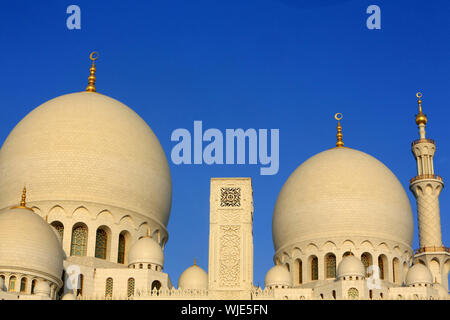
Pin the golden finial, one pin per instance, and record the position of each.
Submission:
(23, 204)
(148, 233)
(91, 86)
(195, 261)
(24, 197)
(339, 142)
(420, 117)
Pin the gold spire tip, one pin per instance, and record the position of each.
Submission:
(23, 202)
(339, 142)
(91, 86)
(420, 117)
(195, 261)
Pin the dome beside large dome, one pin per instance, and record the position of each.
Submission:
(342, 193)
(87, 147)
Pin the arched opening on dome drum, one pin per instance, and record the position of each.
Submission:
(79, 240)
(12, 284)
(382, 265)
(130, 287)
(33, 285)
(156, 285)
(287, 267)
(330, 265)
(109, 288)
(80, 285)
(59, 227)
(102, 243)
(314, 268)
(23, 285)
(124, 240)
(396, 271)
(298, 271)
(366, 259)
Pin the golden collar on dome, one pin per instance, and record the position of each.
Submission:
(339, 142)
(91, 86)
(22, 204)
(420, 117)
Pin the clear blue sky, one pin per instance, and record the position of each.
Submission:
(287, 64)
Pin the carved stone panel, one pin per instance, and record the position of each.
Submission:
(229, 253)
(230, 197)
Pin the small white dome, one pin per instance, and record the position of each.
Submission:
(418, 274)
(193, 277)
(27, 242)
(42, 288)
(146, 250)
(69, 296)
(278, 275)
(350, 266)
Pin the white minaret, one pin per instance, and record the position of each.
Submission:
(426, 187)
(230, 271)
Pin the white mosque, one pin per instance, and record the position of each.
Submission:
(91, 223)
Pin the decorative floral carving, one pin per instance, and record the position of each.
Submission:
(230, 197)
(229, 262)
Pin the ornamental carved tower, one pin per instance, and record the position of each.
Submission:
(426, 187)
(230, 268)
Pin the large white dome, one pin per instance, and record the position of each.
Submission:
(342, 192)
(91, 148)
(29, 245)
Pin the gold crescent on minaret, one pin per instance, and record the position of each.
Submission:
(338, 116)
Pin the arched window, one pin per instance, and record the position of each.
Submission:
(330, 263)
(80, 285)
(333, 293)
(109, 288)
(381, 266)
(23, 285)
(299, 266)
(396, 270)
(287, 266)
(101, 243)
(33, 285)
(130, 288)
(79, 240)
(353, 293)
(121, 254)
(156, 285)
(314, 265)
(59, 227)
(366, 259)
(12, 284)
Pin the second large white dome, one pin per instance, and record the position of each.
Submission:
(342, 192)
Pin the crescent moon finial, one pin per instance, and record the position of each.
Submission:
(93, 56)
(339, 143)
(91, 85)
(419, 95)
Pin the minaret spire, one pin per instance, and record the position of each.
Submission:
(339, 142)
(91, 86)
(426, 187)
